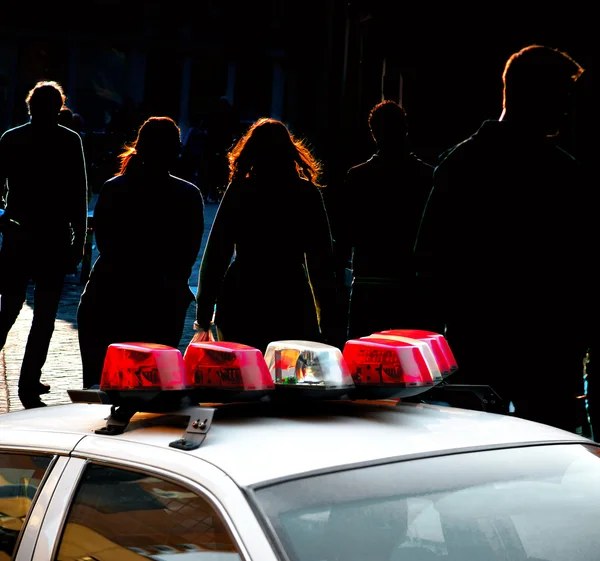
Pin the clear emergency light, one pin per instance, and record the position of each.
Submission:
(307, 368)
(385, 368)
(438, 343)
(226, 371)
(142, 366)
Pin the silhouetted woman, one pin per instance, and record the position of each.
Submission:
(148, 226)
(268, 263)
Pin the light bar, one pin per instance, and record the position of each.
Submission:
(220, 369)
(142, 366)
(428, 355)
(308, 367)
(437, 342)
(388, 368)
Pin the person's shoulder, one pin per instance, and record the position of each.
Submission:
(564, 166)
(455, 152)
(15, 132)
(483, 139)
(457, 157)
(113, 183)
(68, 134)
(566, 157)
(186, 189)
(309, 186)
(363, 167)
(420, 164)
(184, 184)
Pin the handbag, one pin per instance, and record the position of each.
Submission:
(214, 334)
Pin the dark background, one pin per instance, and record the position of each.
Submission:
(330, 54)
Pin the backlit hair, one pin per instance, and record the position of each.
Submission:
(268, 143)
(387, 118)
(50, 92)
(158, 142)
(536, 71)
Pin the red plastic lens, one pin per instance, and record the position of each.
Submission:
(142, 366)
(438, 343)
(226, 366)
(386, 362)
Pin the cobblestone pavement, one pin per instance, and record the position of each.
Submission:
(63, 367)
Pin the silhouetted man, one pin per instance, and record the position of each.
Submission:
(505, 241)
(42, 173)
(381, 207)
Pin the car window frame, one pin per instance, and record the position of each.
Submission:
(251, 490)
(195, 474)
(31, 525)
(180, 481)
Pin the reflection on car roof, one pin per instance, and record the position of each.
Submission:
(253, 443)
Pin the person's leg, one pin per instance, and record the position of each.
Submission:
(47, 294)
(12, 296)
(93, 341)
(14, 277)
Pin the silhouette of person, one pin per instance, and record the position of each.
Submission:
(268, 263)
(193, 151)
(583, 149)
(503, 244)
(65, 118)
(149, 226)
(74, 121)
(381, 208)
(42, 170)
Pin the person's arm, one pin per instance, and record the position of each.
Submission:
(429, 259)
(347, 224)
(105, 233)
(193, 240)
(3, 171)
(320, 263)
(216, 259)
(78, 218)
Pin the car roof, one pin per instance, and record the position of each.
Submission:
(255, 444)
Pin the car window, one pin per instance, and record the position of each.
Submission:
(122, 515)
(20, 479)
(538, 503)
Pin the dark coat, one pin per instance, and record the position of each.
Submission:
(148, 229)
(382, 204)
(380, 212)
(45, 174)
(268, 263)
(505, 238)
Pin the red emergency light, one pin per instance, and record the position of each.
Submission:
(226, 371)
(437, 342)
(385, 368)
(142, 366)
(426, 351)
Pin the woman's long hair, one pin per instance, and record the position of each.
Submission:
(268, 145)
(158, 144)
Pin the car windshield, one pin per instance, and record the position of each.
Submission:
(536, 503)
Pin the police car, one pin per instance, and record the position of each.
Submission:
(305, 453)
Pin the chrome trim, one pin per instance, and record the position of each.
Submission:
(35, 517)
(57, 510)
